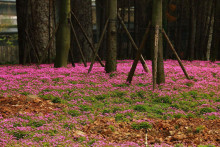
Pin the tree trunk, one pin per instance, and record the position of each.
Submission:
(192, 35)
(63, 35)
(83, 11)
(216, 33)
(35, 26)
(101, 16)
(111, 62)
(142, 16)
(22, 19)
(158, 42)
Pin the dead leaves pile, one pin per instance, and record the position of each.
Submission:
(191, 131)
(14, 105)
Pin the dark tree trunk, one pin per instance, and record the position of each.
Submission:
(216, 33)
(192, 35)
(35, 26)
(142, 16)
(83, 11)
(101, 17)
(22, 19)
(157, 43)
(111, 61)
(63, 35)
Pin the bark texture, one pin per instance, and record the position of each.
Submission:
(216, 33)
(35, 27)
(83, 11)
(111, 62)
(63, 35)
(157, 43)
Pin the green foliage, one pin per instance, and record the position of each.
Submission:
(91, 142)
(119, 117)
(138, 94)
(68, 126)
(73, 82)
(112, 75)
(36, 124)
(142, 125)
(165, 99)
(199, 129)
(67, 97)
(85, 108)
(74, 113)
(214, 74)
(193, 94)
(179, 115)
(10, 40)
(56, 79)
(17, 125)
(179, 145)
(112, 128)
(207, 110)
(119, 94)
(127, 100)
(56, 100)
(115, 109)
(81, 139)
(51, 132)
(101, 97)
(140, 108)
(19, 134)
(106, 111)
(212, 117)
(25, 93)
(120, 85)
(175, 105)
(190, 115)
(189, 84)
(143, 85)
(37, 139)
(48, 97)
(46, 144)
(206, 145)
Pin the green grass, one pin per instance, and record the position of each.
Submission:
(142, 125)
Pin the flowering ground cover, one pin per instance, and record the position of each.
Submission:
(100, 109)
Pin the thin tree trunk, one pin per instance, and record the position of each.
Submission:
(111, 62)
(216, 33)
(22, 16)
(157, 22)
(156, 41)
(209, 41)
(192, 35)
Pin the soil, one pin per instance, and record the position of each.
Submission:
(188, 131)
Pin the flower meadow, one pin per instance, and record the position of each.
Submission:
(99, 94)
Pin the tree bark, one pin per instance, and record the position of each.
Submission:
(142, 18)
(192, 35)
(83, 11)
(22, 19)
(158, 42)
(35, 26)
(111, 62)
(216, 33)
(63, 35)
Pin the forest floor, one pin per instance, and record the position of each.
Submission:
(68, 107)
(190, 131)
